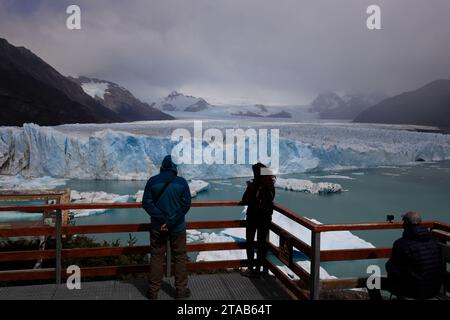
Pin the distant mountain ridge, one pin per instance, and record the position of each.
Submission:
(428, 106)
(176, 101)
(330, 105)
(119, 100)
(31, 91)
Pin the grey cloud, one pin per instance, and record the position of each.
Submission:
(267, 51)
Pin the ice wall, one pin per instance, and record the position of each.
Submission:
(34, 151)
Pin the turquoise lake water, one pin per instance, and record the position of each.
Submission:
(370, 195)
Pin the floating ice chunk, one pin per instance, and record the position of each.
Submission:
(329, 240)
(21, 183)
(138, 196)
(241, 254)
(306, 265)
(197, 186)
(307, 186)
(94, 197)
(225, 183)
(333, 177)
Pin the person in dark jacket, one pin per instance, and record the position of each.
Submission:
(258, 197)
(167, 199)
(415, 269)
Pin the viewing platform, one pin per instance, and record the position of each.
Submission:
(220, 286)
(219, 279)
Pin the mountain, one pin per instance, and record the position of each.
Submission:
(119, 100)
(330, 105)
(327, 101)
(176, 101)
(281, 114)
(428, 105)
(32, 91)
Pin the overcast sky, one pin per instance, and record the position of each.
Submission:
(261, 51)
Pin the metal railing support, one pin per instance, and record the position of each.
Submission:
(315, 265)
(58, 239)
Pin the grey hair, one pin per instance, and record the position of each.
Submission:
(412, 218)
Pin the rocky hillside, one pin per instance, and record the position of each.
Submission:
(428, 105)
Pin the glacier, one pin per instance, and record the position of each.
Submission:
(134, 151)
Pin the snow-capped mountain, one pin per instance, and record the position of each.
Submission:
(33, 91)
(330, 105)
(188, 107)
(119, 100)
(176, 101)
(327, 101)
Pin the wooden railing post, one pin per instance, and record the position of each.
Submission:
(315, 265)
(265, 269)
(58, 239)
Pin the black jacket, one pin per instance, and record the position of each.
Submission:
(259, 199)
(416, 267)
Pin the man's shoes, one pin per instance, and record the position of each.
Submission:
(183, 294)
(251, 273)
(152, 295)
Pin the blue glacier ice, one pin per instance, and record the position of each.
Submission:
(104, 152)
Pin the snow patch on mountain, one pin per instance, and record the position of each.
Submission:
(95, 89)
(176, 101)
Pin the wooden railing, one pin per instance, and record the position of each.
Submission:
(308, 286)
(316, 255)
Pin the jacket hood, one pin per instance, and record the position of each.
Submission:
(168, 165)
(417, 233)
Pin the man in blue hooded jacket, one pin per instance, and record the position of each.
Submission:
(167, 199)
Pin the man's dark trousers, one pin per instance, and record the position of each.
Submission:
(177, 241)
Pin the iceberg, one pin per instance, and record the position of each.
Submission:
(333, 176)
(134, 151)
(332, 240)
(94, 197)
(300, 185)
(197, 186)
(329, 241)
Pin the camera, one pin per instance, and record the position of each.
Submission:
(390, 218)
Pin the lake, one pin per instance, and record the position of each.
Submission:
(370, 194)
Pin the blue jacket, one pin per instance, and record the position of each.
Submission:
(173, 204)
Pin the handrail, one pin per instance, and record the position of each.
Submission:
(308, 279)
(91, 206)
